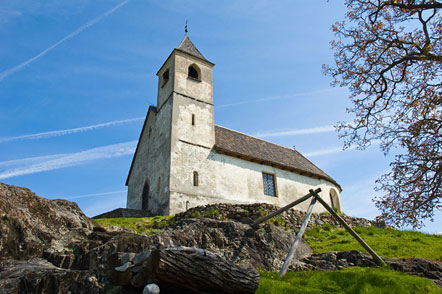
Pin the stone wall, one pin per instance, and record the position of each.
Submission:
(291, 219)
(123, 213)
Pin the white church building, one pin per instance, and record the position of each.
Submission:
(184, 160)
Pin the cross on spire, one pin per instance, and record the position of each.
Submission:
(185, 28)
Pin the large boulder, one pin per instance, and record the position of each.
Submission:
(40, 276)
(30, 225)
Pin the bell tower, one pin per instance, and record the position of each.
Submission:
(186, 79)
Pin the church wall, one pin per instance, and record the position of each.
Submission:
(200, 90)
(228, 179)
(202, 131)
(153, 163)
(166, 89)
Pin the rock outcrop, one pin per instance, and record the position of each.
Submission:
(60, 243)
(50, 246)
(290, 219)
(30, 224)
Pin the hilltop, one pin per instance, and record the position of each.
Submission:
(50, 246)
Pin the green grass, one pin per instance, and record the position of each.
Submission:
(351, 280)
(143, 225)
(386, 242)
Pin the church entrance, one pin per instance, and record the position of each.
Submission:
(145, 196)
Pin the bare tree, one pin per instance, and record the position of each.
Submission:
(389, 54)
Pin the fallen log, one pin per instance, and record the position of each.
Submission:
(198, 270)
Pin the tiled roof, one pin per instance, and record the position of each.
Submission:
(187, 46)
(260, 151)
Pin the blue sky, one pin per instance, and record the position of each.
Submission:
(77, 77)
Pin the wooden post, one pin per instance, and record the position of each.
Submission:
(376, 257)
(298, 238)
(287, 207)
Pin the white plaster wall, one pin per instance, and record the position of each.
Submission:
(201, 90)
(153, 162)
(165, 90)
(203, 132)
(228, 179)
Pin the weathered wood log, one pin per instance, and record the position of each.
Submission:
(199, 271)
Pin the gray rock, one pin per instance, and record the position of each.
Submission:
(123, 267)
(151, 289)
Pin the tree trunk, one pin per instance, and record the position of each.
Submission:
(200, 271)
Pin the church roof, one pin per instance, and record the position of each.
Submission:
(188, 47)
(256, 150)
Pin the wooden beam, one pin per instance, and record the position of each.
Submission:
(298, 238)
(287, 207)
(376, 257)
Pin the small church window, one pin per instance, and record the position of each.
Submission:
(165, 77)
(334, 200)
(193, 72)
(269, 184)
(193, 119)
(158, 184)
(195, 178)
(145, 196)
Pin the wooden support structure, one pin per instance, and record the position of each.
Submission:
(287, 207)
(314, 193)
(376, 257)
(298, 238)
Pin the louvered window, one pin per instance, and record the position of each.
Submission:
(269, 184)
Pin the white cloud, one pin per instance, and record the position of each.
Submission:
(334, 150)
(70, 131)
(29, 160)
(278, 97)
(95, 194)
(22, 65)
(72, 159)
(309, 131)
(326, 151)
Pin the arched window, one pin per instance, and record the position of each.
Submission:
(165, 77)
(187, 205)
(334, 200)
(195, 179)
(194, 72)
(193, 119)
(158, 184)
(145, 196)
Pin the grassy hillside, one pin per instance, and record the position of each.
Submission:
(386, 242)
(350, 280)
(143, 225)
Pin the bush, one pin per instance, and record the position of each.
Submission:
(212, 213)
(195, 214)
(277, 221)
(327, 227)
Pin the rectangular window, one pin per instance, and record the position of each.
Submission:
(269, 184)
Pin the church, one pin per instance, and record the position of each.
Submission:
(183, 159)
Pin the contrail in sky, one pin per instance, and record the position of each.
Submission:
(29, 160)
(309, 131)
(19, 67)
(335, 150)
(96, 194)
(72, 159)
(70, 131)
(277, 97)
(326, 151)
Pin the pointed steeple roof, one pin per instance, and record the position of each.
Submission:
(188, 47)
